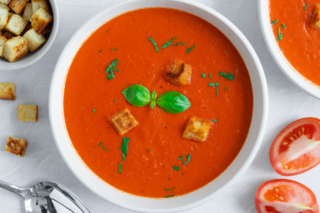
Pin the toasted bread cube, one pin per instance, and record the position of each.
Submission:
(15, 48)
(178, 73)
(40, 20)
(34, 39)
(7, 91)
(123, 121)
(315, 19)
(16, 24)
(2, 42)
(16, 146)
(28, 12)
(6, 2)
(197, 129)
(37, 4)
(8, 35)
(27, 113)
(4, 15)
(18, 5)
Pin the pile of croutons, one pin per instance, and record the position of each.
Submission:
(23, 27)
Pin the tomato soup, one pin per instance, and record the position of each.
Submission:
(298, 42)
(159, 162)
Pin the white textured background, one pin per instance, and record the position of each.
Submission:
(43, 162)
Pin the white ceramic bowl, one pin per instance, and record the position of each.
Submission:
(279, 58)
(31, 58)
(142, 204)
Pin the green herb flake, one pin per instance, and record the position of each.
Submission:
(213, 84)
(115, 100)
(94, 110)
(305, 7)
(188, 159)
(274, 22)
(227, 75)
(203, 75)
(226, 89)
(100, 144)
(113, 49)
(292, 34)
(124, 147)
(189, 49)
(167, 44)
(100, 51)
(154, 44)
(176, 168)
(168, 196)
(210, 75)
(214, 120)
(120, 168)
(280, 35)
(180, 158)
(217, 91)
(179, 43)
(170, 189)
(283, 26)
(182, 173)
(112, 67)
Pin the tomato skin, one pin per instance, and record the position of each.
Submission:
(285, 196)
(280, 155)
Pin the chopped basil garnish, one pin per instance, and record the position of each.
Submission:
(213, 84)
(283, 26)
(214, 120)
(280, 35)
(100, 144)
(167, 44)
(188, 159)
(274, 22)
(180, 43)
(226, 89)
(203, 75)
(170, 189)
(226, 75)
(180, 158)
(124, 147)
(93, 110)
(120, 168)
(111, 68)
(217, 91)
(168, 196)
(189, 49)
(305, 7)
(176, 168)
(154, 44)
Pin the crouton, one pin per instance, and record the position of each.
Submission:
(123, 121)
(34, 39)
(5, 1)
(178, 73)
(7, 91)
(18, 5)
(15, 48)
(315, 19)
(16, 24)
(16, 146)
(37, 4)
(2, 42)
(40, 20)
(27, 113)
(4, 15)
(197, 129)
(27, 13)
(8, 35)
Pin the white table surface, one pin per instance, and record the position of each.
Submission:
(43, 162)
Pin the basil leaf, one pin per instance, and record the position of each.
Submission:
(153, 104)
(154, 95)
(173, 102)
(137, 95)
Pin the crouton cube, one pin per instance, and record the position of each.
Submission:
(15, 48)
(5, 1)
(7, 91)
(34, 39)
(4, 15)
(18, 5)
(8, 35)
(2, 42)
(16, 24)
(27, 13)
(37, 4)
(40, 20)
(27, 113)
(178, 73)
(16, 146)
(315, 19)
(197, 129)
(123, 121)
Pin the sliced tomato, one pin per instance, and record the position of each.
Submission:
(296, 148)
(285, 196)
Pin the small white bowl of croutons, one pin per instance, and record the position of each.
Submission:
(27, 31)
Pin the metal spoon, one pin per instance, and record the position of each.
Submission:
(48, 197)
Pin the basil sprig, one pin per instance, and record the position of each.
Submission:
(171, 102)
(137, 95)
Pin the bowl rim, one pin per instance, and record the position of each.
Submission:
(35, 56)
(287, 69)
(262, 123)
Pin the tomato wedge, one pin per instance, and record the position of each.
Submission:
(296, 148)
(285, 196)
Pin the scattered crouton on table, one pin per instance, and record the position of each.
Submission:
(28, 113)
(7, 91)
(16, 146)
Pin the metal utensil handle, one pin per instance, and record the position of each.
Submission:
(14, 189)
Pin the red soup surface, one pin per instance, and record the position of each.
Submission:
(298, 42)
(156, 144)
